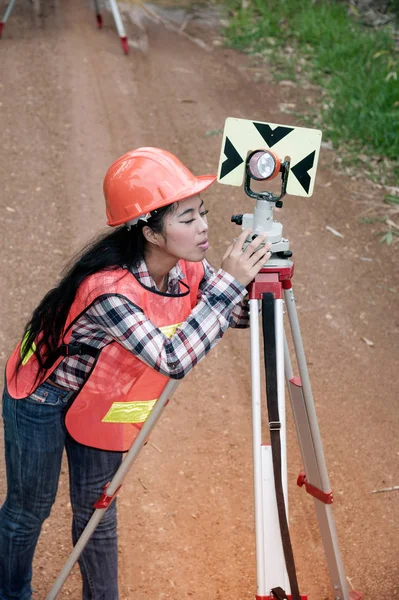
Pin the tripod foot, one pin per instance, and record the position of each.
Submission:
(125, 45)
(99, 20)
(354, 595)
(2, 25)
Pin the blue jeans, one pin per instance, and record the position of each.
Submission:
(35, 437)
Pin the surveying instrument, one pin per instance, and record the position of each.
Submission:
(263, 151)
(257, 151)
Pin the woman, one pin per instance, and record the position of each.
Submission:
(141, 305)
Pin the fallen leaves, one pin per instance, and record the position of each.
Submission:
(389, 489)
(334, 231)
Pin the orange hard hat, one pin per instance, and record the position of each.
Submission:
(145, 179)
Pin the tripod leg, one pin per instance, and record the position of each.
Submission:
(257, 448)
(270, 561)
(98, 14)
(6, 15)
(312, 453)
(113, 487)
(119, 25)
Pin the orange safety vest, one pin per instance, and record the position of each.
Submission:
(121, 390)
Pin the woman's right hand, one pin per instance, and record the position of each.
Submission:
(245, 265)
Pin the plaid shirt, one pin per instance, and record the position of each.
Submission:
(221, 304)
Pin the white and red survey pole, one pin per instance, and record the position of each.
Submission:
(113, 7)
(6, 15)
(118, 22)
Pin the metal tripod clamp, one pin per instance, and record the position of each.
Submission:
(326, 497)
(105, 500)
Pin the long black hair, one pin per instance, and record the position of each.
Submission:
(109, 251)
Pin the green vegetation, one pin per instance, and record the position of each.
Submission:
(357, 67)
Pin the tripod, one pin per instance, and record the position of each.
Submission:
(246, 156)
(276, 576)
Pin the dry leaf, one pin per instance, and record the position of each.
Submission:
(367, 341)
(334, 231)
(287, 83)
(286, 107)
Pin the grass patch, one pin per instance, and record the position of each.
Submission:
(358, 68)
(387, 214)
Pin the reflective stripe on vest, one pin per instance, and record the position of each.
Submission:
(135, 412)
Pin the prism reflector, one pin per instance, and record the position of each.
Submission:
(263, 165)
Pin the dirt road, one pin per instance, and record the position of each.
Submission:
(70, 103)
